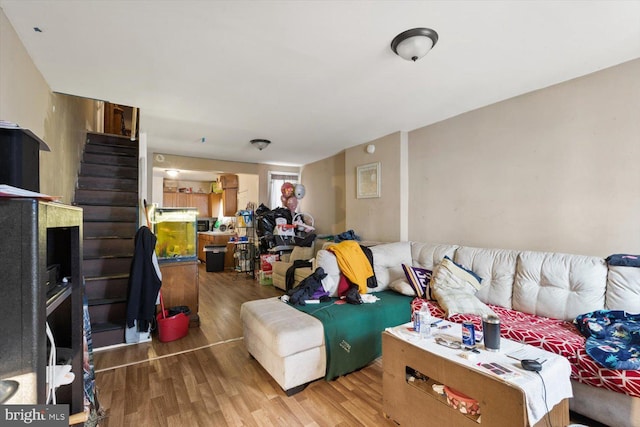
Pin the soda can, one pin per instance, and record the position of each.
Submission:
(468, 334)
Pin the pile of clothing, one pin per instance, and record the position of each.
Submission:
(356, 267)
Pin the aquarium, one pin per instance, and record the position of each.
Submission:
(176, 230)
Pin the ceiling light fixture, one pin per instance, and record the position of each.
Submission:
(172, 173)
(260, 144)
(415, 43)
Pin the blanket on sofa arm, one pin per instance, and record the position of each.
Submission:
(353, 333)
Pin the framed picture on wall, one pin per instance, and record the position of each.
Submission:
(368, 181)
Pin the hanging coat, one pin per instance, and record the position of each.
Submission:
(145, 280)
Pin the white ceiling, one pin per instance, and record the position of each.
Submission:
(314, 77)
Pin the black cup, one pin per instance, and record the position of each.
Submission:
(491, 332)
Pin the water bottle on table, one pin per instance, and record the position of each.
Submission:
(425, 322)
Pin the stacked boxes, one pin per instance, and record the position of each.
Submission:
(266, 268)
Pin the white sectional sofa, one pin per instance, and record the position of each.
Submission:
(554, 285)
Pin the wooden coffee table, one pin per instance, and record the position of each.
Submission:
(416, 403)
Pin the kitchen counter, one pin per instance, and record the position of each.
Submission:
(218, 233)
(216, 238)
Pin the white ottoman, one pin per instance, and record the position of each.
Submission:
(288, 343)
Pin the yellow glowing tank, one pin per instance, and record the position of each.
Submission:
(176, 231)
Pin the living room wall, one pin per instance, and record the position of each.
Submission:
(552, 170)
(379, 218)
(324, 199)
(60, 120)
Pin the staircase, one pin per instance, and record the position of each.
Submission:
(107, 191)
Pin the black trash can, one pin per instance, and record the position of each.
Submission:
(215, 257)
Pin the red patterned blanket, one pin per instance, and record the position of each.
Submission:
(557, 336)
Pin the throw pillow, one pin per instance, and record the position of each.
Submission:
(419, 279)
(455, 290)
(478, 278)
(403, 287)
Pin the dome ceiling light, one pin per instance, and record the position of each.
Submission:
(260, 144)
(414, 44)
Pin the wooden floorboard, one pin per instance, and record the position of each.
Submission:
(208, 379)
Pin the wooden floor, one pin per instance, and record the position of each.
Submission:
(209, 379)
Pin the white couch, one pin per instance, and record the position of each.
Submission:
(547, 284)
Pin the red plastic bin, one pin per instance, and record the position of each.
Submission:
(172, 328)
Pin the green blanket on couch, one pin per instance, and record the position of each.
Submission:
(353, 333)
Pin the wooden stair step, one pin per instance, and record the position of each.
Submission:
(107, 183)
(99, 288)
(106, 301)
(96, 213)
(106, 326)
(110, 171)
(110, 229)
(100, 267)
(95, 138)
(108, 313)
(113, 198)
(107, 334)
(109, 159)
(118, 150)
(105, 247)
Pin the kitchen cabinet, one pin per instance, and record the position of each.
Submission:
(169, 200)
(204, 239)
(229, 181)
(229, 257)
(230, 201)
(215, 199)
(229, 194)
(188, 200)
(201, 202)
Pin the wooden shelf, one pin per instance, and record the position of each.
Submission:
(426, 386)
(57, 298)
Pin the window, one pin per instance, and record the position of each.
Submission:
(276, 179)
